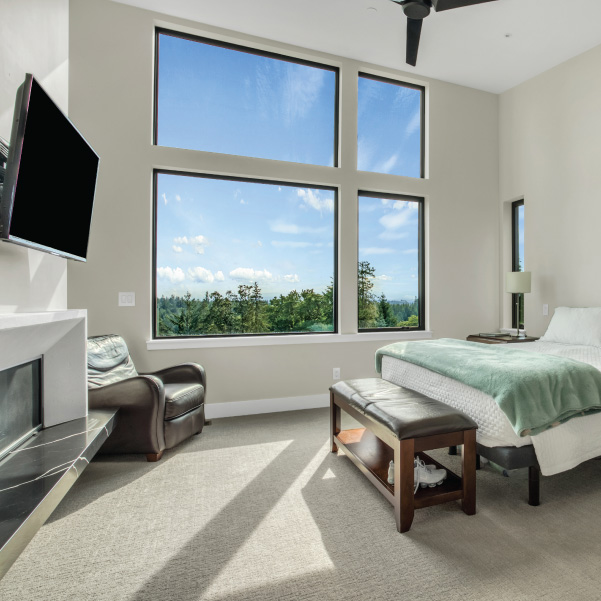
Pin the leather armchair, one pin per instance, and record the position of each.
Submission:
(156, 410)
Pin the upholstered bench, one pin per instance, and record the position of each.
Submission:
(398, 425)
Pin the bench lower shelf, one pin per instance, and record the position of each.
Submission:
(373, 456)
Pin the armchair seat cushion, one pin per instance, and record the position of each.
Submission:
(181, 398)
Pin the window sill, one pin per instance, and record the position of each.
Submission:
(188, 343)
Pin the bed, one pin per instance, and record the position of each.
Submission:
(573, 334)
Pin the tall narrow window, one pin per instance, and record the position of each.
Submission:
(223, 98)
(390, 127)
(391, 262)
(238, 256)
(517, 259)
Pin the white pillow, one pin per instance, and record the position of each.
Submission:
(575, 326)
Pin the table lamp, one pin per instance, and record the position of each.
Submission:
(518, 282)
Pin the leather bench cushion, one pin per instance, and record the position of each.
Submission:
(181, 398)
(406, 413)
(416, 417)
(361, 393)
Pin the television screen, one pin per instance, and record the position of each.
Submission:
(50, 178)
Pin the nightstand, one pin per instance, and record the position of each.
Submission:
(502, 340)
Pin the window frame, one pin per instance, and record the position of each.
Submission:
(252, 180)
(515, 262)
(421, 285)
(422, 121)
(248, 50)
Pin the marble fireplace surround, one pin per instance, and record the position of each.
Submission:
(59, 337)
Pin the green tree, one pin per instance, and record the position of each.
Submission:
(184, 321)
(368, 309)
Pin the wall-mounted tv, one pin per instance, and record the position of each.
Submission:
(50, 179)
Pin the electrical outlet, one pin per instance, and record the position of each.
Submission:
(545, 309)
(127, 299)
(336, 373)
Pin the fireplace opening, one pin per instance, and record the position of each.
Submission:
(20, 404)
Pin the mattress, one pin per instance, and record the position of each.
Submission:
(557, 449)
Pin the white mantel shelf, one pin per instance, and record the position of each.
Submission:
(9, 321)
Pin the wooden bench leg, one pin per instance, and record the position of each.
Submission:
(468, 472)
(534, 485)
(403, 484)
(334, 422)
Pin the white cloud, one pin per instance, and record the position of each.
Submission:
(242, 201)
(199, 240)
(178, 198)
(410, 251)
(177, 249)
(311, 199)
(383, 277)
(391, 235)
(290, 244)
(259, 243)
(395, 220)
(388, 165)
(293, 278)
(219, 276)
(200, 274)
(248, 273)
(164, 197)
(173, 275)
(414, 124)
(374, 250)
(283, 227)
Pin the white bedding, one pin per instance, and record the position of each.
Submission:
(557, 449)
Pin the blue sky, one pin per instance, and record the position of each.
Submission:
(389, 134)
(221, 100)
(215, 234)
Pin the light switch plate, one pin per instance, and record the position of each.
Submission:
(545, 309)
(127, 299)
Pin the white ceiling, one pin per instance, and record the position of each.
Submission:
(492, 46)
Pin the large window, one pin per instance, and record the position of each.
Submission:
(517, 260)
(390, 268)
(223, 98)
(239, 256)
(247, 247)
(390, 127)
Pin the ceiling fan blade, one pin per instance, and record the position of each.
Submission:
(414, 30)
(448, 4)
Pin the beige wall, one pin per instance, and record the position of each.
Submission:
(550, 154)
(111, 84)
(34, 38)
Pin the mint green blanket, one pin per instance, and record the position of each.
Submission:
(535, 391)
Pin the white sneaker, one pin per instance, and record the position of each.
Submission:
(430, 467)
(426, 475)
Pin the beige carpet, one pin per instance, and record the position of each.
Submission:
(256, 508)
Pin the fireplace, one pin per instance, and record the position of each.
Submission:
(50, 349)
(20, 404)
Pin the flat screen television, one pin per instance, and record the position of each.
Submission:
(50, 178)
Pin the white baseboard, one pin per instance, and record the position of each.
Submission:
(234, 408)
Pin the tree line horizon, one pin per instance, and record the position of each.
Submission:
(248, 312)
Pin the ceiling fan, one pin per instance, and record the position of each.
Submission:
(417, 10)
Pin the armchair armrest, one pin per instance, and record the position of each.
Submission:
(184, 372)
(141, 403)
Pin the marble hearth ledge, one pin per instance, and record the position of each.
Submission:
(35, 477)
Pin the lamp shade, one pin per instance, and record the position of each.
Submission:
(517, 282)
